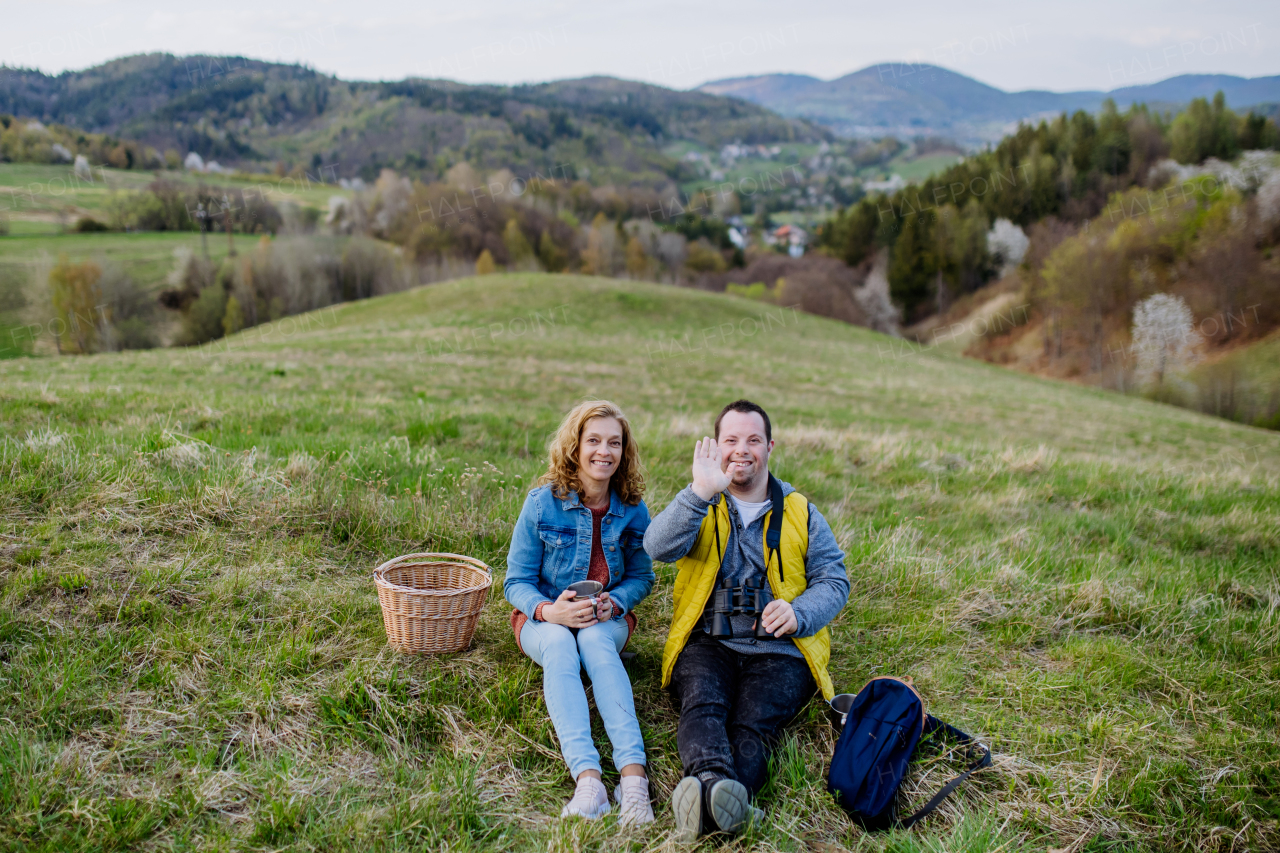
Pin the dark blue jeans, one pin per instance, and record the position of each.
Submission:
(732, 708)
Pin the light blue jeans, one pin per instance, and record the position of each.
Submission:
(561, 655)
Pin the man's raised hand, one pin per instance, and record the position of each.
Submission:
(709, 479)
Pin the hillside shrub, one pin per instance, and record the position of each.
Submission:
(282, 277)
(369, 268)
(703, 258)
(813, 283)
(167, 206)
(13, 301)
(89, 225)
(202, 321)
(130, 311)
(76, 297)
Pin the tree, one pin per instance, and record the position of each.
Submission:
(1164, 337)
(1201, 131)
(1269, 203)
(703, 257)
(1007, 244)
(485, 264)
(602, 242)
(552, 256)
(517, 244)
(1258, 132)
(852, 234)
(1112, 147)
(202, 321)
(962, 261)
(233, 318)
(912, 266)
(637, 259)
(77, 301)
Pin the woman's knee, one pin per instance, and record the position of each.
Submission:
(597, 642)
(557, 646)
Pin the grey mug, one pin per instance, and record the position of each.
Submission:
(840, 706)
(586, 589)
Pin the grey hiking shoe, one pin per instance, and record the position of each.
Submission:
(727, 804)
(686, 804)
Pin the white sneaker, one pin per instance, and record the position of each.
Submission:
(632, 795)
(590, 800)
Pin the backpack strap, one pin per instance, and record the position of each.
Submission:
(933, 724)
(773, 535)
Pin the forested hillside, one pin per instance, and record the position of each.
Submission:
(245, 113)
(1065, 170)
(1080, 220)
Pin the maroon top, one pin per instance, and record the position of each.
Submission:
(598, 570)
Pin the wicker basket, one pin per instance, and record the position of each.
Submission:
(431, 602)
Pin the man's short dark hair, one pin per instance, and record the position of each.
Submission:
(745, 407)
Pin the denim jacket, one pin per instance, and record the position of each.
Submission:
(551, 548)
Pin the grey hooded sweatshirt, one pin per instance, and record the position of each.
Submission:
(672, 534)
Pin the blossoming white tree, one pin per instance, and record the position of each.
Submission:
(1269, 202)
(1164, 337)
(1007, 242)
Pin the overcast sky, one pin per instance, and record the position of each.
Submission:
(1087, 44)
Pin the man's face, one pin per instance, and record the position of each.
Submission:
(744, 451)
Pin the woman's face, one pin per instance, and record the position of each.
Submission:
(600, 450)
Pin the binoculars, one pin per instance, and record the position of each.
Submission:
(750, 599)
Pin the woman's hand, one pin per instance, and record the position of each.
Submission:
(604, 607)
(568, 612)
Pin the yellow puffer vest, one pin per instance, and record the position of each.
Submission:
(696, 578)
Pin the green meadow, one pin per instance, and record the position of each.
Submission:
(194, 659)
(147, 256)
(33, 196)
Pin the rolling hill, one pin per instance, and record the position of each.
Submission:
(194, 657)
(906, 99)
(241, 111)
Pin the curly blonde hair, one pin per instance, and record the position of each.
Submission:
(562, 451)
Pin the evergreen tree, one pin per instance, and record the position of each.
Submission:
(912, 266)
(1202, 131)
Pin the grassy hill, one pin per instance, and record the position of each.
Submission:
(194, 658)
(242, 111)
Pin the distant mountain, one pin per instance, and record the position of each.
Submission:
(242, 112)
(905, 99)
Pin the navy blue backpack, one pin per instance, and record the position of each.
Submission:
(884, 724)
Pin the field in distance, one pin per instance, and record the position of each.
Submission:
(194, 656)
(43, 199)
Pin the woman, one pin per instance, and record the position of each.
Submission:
(585, 520)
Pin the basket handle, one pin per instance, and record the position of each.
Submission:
(437, 558)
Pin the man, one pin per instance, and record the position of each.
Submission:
(736, 693)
